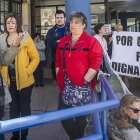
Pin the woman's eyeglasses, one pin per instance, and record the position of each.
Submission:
(135, 110)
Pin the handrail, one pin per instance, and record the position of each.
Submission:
(54, 116)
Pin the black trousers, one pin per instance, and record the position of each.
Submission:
(74, 126)
(38, 74)
(20, 106)
(1, 112)
(53, 70)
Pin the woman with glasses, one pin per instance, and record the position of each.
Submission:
(122, 126)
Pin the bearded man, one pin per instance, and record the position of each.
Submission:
(54, 35)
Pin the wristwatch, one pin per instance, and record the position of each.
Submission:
(86, 82)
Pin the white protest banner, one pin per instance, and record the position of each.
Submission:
(126, 53)
(108, 29)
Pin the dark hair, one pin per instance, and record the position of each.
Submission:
(60, 12)
(81, 17)
(36, 34)
(18, 21)
(98, 27)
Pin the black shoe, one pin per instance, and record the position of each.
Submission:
(36, 85)
(41, 84)
(14, 138)
(23, 138)
(3, 114)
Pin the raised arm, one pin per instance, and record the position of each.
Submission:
(8, 55)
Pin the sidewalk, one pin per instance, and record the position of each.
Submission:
(45, 99)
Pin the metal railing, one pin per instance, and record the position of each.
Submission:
(100, 133)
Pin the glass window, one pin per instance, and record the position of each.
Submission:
(44, 20)
(61, 8)
(4, 10)
(2, 17)
(48, 16)
(97, 15)
(6, 5)
(2, 5)
(14, 7)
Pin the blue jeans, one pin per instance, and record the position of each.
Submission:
(38, 74)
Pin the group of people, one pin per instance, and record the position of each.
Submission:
(22, 57)
(82, 66)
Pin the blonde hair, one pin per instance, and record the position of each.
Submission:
(126, 101)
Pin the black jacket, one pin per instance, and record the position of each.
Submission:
(53, 36)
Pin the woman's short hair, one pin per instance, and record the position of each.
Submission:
(81, 17)
(98, 27)
(37, 34)
(126, 101)
(18, 21)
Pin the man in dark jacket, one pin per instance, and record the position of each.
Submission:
(54, 35)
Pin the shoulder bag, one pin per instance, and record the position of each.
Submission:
(74, 95)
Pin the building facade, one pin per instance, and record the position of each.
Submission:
(39, 15)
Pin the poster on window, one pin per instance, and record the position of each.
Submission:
(108, 29)
(126, 53)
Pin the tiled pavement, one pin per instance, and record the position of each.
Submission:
(45, 99)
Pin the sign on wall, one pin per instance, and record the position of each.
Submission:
(126, 53)
(108, 29)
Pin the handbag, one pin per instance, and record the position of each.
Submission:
(74, 95)
(2, 92)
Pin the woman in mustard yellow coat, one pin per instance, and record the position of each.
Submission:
(19, 75)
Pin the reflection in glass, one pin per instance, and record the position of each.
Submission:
(61, 8)
(48, 16)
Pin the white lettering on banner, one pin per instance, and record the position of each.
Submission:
(126, 53)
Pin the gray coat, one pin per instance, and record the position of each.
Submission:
(40, 46)
(7, 56)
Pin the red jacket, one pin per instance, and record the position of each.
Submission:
(86, 53)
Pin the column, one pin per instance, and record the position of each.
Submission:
(107, 13)
(26, 16)
(124, 23)
(117, 17)
(73, 6)
(139, 26)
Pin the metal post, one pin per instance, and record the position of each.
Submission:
(135, 25)
(124, 23)
(83, 6)
(117, 17)
(32, 18)
(107, 12)
(10, 5)
(104, 114)
(139, 26)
